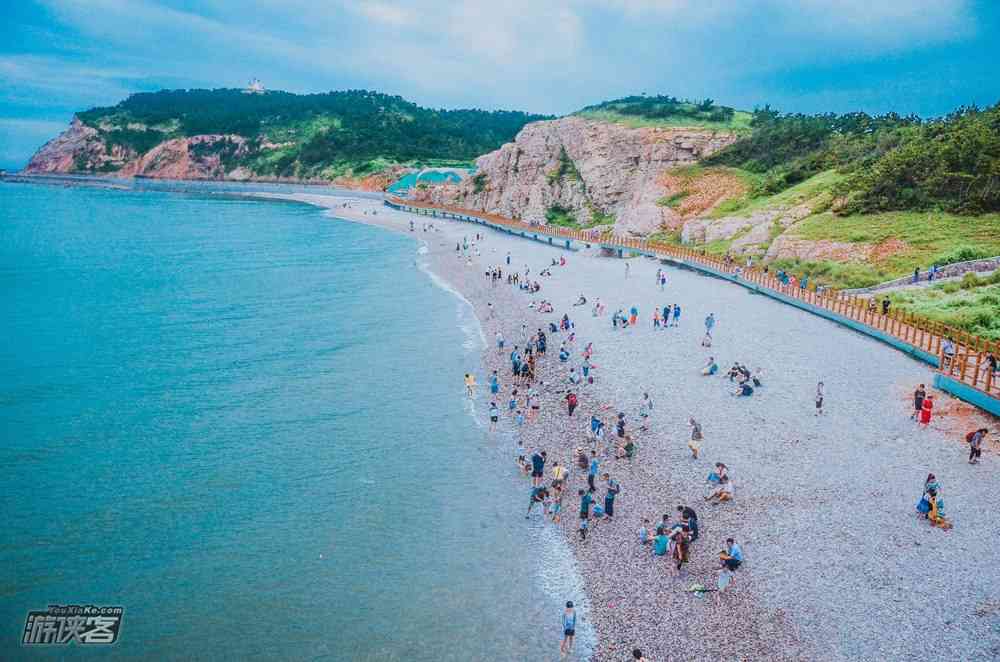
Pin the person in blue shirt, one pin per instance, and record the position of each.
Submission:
(594, 467)
(732, 556)
(677, 314)
(569, 629)
(609, 499)
(661, 543)
(538, 495)
(709, 323)
(537, 467)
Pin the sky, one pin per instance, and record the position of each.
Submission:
(550, 56)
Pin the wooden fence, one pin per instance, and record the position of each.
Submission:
(966, 360)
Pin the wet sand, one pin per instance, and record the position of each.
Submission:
(837, 565)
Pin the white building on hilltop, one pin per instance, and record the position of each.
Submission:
(254, 87)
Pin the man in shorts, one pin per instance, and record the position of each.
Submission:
(537, 467)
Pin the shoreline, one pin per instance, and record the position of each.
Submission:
(770, 636)
(786, 505)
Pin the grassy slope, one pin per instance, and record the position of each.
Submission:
(739, 123)
(930, 237)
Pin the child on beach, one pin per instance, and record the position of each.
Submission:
(569, 629)
(819, 398)
(644, 532)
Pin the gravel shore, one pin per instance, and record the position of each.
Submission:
(838, 566)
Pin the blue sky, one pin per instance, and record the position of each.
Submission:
(553, 56)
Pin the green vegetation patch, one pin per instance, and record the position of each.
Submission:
(336, 132)
(889, 162)
(561, 216)
(972, 304)
(667, 111)
(673, 200)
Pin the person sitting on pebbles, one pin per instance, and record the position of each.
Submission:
(730, 560)
(710, 367)
(723, 493)
(721, 471)
(626, 450)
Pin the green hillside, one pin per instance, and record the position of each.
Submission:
(668, 111)
(922, 192)
(311, 135)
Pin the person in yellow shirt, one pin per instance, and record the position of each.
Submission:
(558, 475)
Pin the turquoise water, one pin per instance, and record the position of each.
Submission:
(428, 177)
(243, 422)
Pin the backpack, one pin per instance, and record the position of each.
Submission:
(968, 437)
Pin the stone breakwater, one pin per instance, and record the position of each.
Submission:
(837, 565)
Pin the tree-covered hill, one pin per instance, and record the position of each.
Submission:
(667, 111)
(888, 162)
(310, 135)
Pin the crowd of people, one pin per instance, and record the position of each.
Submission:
(590, 472)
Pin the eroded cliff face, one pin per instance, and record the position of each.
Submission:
(77, 148)
(600, 172)
(81, 149)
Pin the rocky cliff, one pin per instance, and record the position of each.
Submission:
(81, 149)
(594, 173)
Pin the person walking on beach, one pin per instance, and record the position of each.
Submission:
(709, 324)
(925, 410)
(537, 467)
(592, 473)
(918, 401)
(819, 398)
(696, 437)
(569, 629)
(571, 402)
(470, 384)
(585, 500)
(500, 342)
(558, 476)
(609, 498)
(975, 439)
(494, 416)
(677, 314)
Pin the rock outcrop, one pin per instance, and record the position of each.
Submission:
(83, 149)
(749, 234)
(594, 170)
(77, 148)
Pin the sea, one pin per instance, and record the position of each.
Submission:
(243, 422)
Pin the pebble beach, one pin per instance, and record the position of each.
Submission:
(837, 564)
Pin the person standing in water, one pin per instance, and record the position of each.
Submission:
(569, 629)
(470, 384)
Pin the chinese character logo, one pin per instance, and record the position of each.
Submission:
(83, 624)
